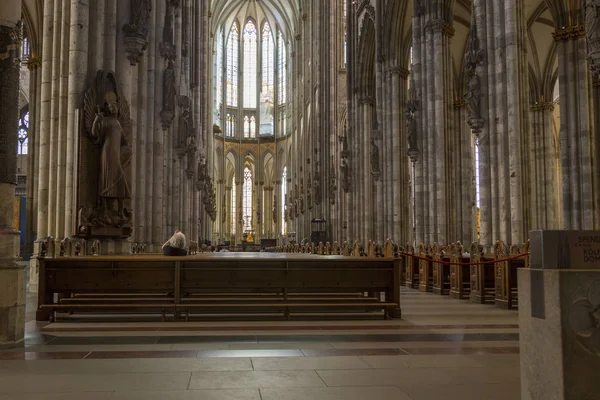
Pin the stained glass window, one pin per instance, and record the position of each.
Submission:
(23, 134)
(268, 62)
(283, 198)
(232, 65)
(247, 199)
(282, 70)
(250, 64)
(233, 222)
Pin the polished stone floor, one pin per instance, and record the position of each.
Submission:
(441, 349)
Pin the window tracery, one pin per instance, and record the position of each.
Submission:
(250, 64)
(23, 134)
(232, 65)
(247, 199)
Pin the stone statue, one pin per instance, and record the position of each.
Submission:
(332, 185)
(592, 19)
(374, 157)
(136, 33)
(345, 183)
(140, 10)
(473, 96)
(309, 199)
(184, 120)
(275, 209)
(108, 132)
(169, 92)
(592, 30)
(317, 187)
(191, 155)
(411, 124)
(107, 122)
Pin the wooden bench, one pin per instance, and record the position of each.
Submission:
(506, 275)
(440, 271)
(412, 268)
(425, 268)
(237, 283)
(483, 284)
(460, 279)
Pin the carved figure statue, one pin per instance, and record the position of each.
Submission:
(191, 153)
(592, 19)
(344, 174)
(108, 132)
(473, 97)
(184, 119)
(169, 87)
(309, 199)
(275, 209)
(140, 10)
(592, 30)
(411, 123)
(374, 157)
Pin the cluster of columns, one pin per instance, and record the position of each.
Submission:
(477, 122)
(83, 37)
(12, 274)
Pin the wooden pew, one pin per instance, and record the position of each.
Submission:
(440, 272)
(506, 275)
(482, 276)
(460, 279)
(412, 269)
(425, 268)
(218, 282)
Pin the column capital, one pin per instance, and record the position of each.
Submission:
(460, 103)
(366, 100)
(572, 32)
(440, 26)
(542, 106)
(34, 63)
(397, 70)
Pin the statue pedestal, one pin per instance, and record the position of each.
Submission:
(559, 317)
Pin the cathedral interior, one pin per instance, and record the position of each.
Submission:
(418, 130)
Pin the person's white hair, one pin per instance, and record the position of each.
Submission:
(177, 240)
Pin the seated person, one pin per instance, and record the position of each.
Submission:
(176, 245)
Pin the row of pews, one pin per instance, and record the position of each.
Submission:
(485, 278)
(227, 285)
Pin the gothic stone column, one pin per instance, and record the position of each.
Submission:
(12, 276)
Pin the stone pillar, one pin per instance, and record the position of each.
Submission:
(576, 132)
(559, 316)
(542, 168)
(12, 275)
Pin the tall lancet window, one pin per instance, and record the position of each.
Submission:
(250, 64)
(267, 93)
(249, 127)
(218, 76)
(477, 188)
(23, 133)
(281, 96)
(247, 199)
(230, 125)
(234, 221)
(283, 198)
(233, 43)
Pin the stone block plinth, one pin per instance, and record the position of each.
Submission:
(13, 285)
(559, 317)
